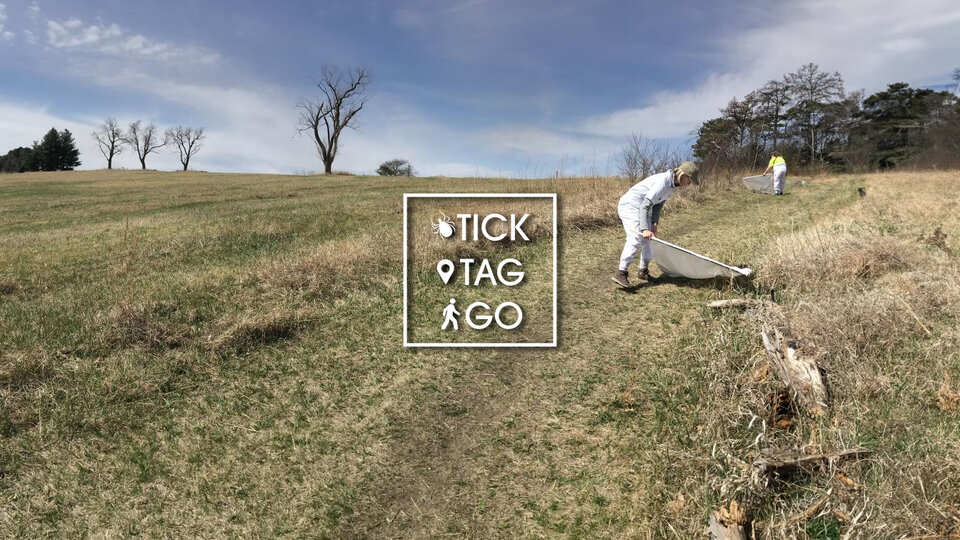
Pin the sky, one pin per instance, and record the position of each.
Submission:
(458, 87)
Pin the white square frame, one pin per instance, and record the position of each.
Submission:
(406, 198)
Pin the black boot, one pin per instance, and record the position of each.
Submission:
(621, 279)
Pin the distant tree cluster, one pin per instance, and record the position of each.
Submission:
(810, 118)
(396, 167)
(643, 156)
(146, 140)
(57, 151)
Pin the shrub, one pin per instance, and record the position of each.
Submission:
(396, 167)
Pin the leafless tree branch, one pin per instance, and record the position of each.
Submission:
(145, 140)
(109, 139)
(344, 95)
(188, 142)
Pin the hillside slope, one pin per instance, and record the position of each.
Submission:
(190, 354)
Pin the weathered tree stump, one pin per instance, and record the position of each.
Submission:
(728, 523)
(799, 373)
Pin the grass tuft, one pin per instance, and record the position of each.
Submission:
(251, 330)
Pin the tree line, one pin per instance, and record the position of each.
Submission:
(813, 120)
(146, 139)
(57, 151)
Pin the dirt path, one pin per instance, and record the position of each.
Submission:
(594, 438)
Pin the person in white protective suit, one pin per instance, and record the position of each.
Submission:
(779, 167)
(639, 210)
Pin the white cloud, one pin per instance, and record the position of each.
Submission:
(251, 124)
(904, 45)
(470, 29)
(110, 39)
(253, 128)
(870, 42)
(5, 35)
(20, 125)
(553, 146)
(531, 140)
(72, 33)
(461, 170)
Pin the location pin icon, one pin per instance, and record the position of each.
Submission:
(445, 269)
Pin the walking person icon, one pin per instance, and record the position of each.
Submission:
(450, 315)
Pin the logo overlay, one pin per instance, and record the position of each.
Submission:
(480, 270)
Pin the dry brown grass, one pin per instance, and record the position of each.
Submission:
(291, 409)
(331, 269)
(874, 292)
(947, 397)
(238, 334)
(8, 285)
(150, 325)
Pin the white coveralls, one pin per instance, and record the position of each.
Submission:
(779, 174)
(639, 209)
(779, 177)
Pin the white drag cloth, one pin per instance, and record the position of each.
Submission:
(761, 184)
(675, 261)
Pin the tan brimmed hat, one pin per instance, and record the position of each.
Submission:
(690, 169)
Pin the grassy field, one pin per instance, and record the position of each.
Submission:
(206, 355)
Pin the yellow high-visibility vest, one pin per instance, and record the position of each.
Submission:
(776, 161)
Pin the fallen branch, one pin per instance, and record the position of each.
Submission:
(740, 303)
(779, 462)
(809, 512)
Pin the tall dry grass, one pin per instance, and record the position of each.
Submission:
(874, 294)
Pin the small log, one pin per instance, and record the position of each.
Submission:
(779, 462)
(811, 510)
(728, 523)
(800, 374)
(739, 303)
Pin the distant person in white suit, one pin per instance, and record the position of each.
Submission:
(779, 167)
(639, 210)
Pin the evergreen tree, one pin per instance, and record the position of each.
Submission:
(893, 121)
(68, 156)
(17, 160)
(57, 151)
(48, 150)
(34, 158)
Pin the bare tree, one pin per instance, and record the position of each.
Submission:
(110, 140)
(344, 95)
(772, 103)
(145, 140)
(643, 156)
(812, 92)
(188, 142)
